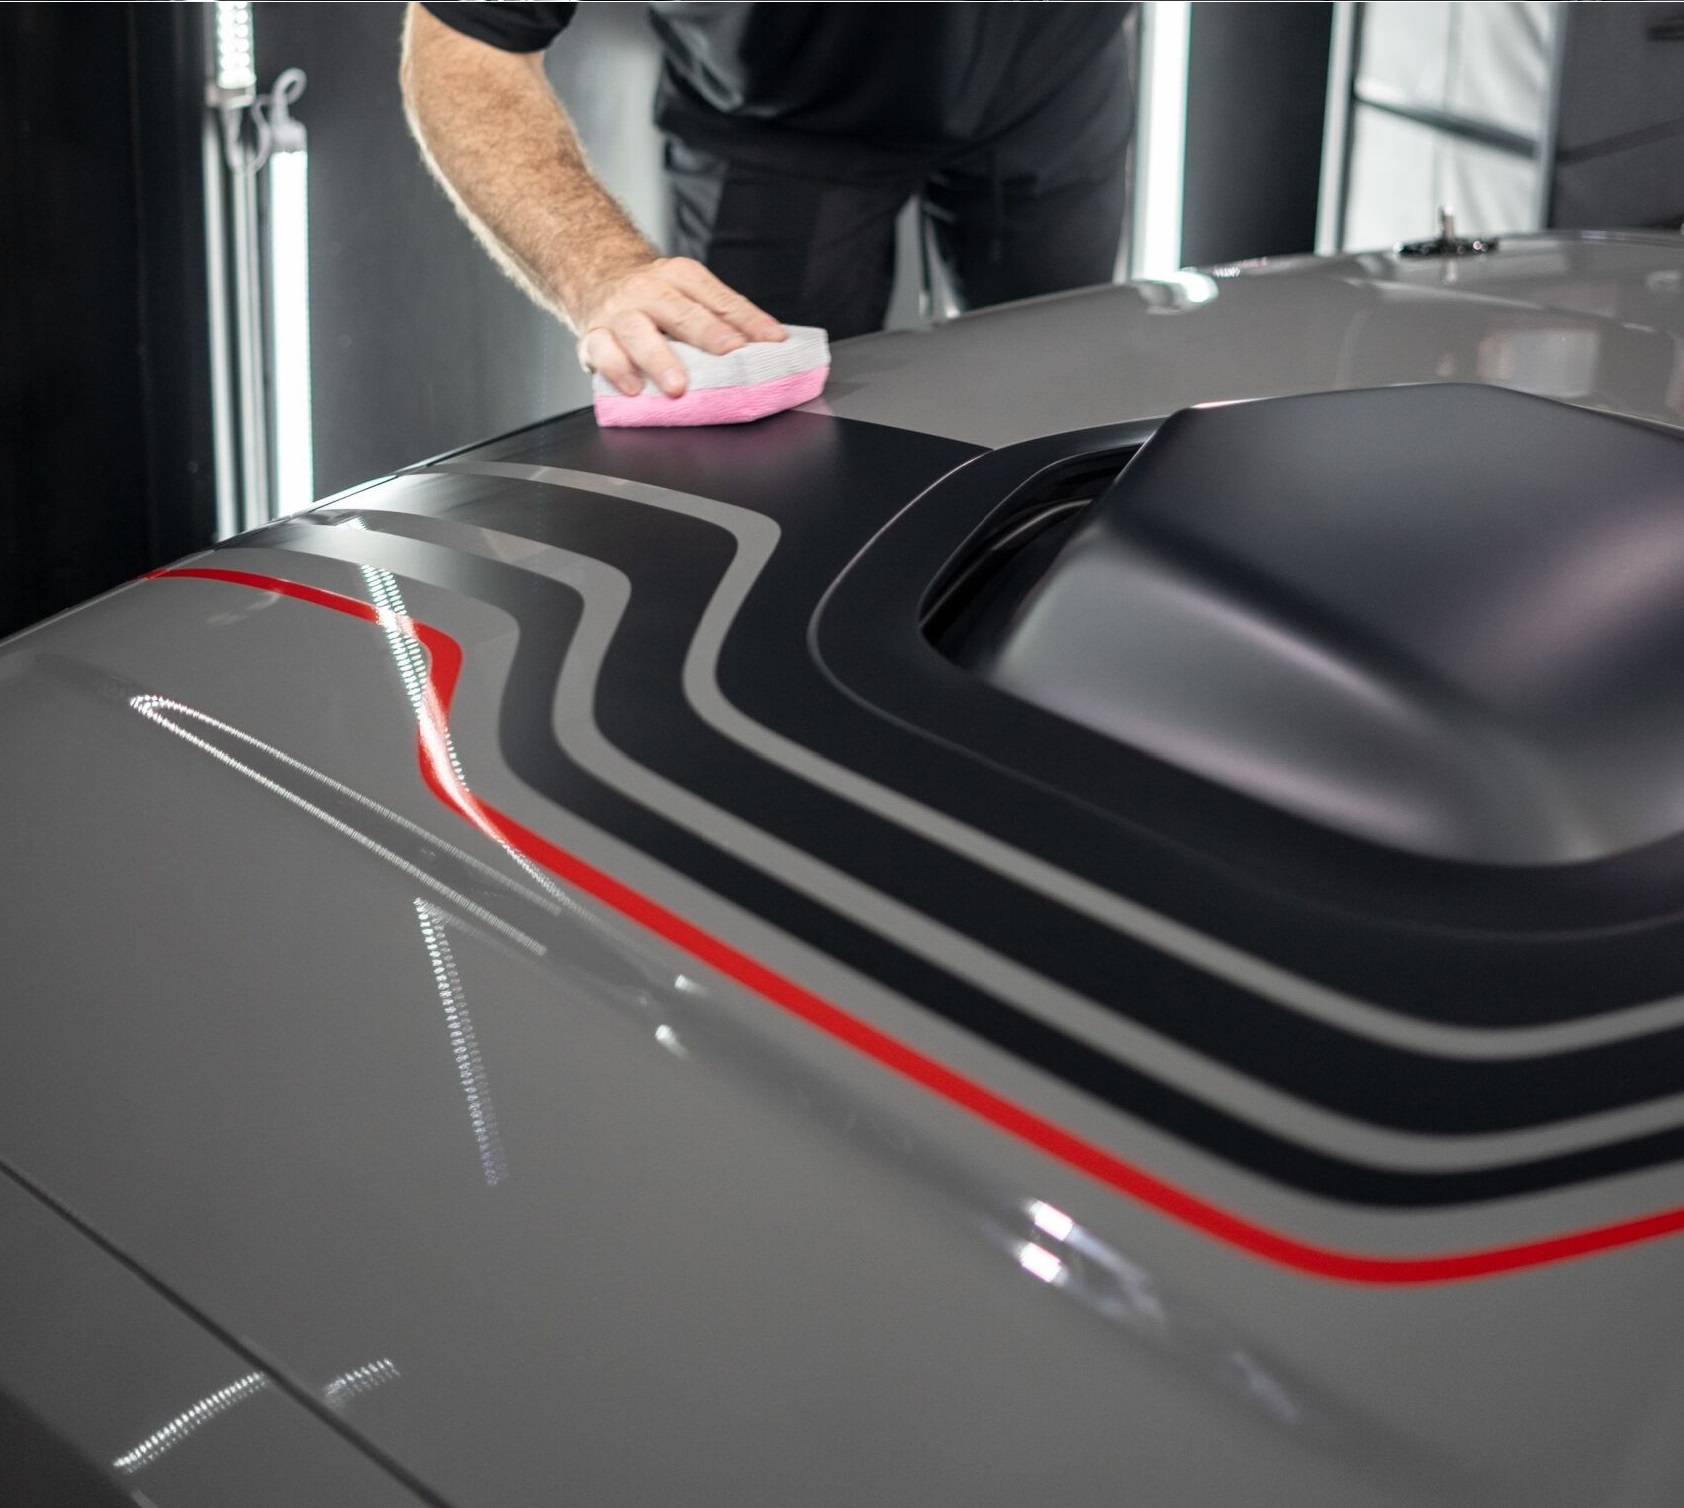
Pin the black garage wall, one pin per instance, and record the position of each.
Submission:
(105, 450)
(1619, 157)
(1256, 103)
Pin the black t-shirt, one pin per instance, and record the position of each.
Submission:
(903, 79)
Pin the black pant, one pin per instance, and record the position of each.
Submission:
(1036, 209)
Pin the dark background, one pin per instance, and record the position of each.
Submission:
(105, 464)
(1620, 148)
(1256, 104)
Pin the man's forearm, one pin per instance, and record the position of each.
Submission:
(501, 144)
(499, 141)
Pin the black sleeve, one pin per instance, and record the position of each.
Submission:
(512, 28)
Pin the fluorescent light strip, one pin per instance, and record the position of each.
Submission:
(1162, 150)
(289, 326)
(1336, 126)
(236, 64)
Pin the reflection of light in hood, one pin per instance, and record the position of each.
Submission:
(1176, 292)
(179, 1428)
(668, 1039)
(359, 1380)
(1054, 1222)
(464, 1044)
(337, 1393)
(1041, 1262)
(411, 660)
(1548, 360)
(164, 712)
(1089, 1271)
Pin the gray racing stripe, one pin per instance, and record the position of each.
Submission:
(757, 536)
(605, 591)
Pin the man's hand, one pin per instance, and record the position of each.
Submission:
(623, 318)
(499, 141)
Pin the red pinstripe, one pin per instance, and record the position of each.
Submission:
(445, 664)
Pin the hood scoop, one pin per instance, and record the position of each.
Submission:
(1447, 619)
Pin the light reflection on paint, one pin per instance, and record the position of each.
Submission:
(464, 1045)
(411, 661)
(340, 1391)
(168, 1436)
(1550, 361)
(164, 712)
(358, 1381)
(668, 1039)
(1055, 1223)
(1091, 1271)
(1259, 1384)
(1041, 1262)
(1087, 1270)
(1176, 292)
(437, 745)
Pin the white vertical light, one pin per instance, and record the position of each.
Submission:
(236, 65)
(289, 303)
(1161, 150)
(231, 85)
(1336, 128)
(221, 340)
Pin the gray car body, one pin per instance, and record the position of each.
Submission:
(349, 1153)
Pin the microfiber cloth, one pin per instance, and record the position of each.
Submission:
(754, 380)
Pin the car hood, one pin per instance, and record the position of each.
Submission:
(1593, 319)
(398, 1068)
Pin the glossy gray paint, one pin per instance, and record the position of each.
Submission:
(353, 1085)
(722, 1261)
(1592, 320)
(360, 540)
(118, 1378)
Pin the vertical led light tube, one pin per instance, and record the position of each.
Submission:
(223, 445)
(231, 86)
(1336, 131)
(289, 302)
(1161, 149)
(236, 65)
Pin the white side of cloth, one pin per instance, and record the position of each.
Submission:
(759, 361)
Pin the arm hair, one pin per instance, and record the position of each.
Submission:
(496, 137)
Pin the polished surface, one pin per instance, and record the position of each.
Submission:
(123, 1397)
(1592, 319)
(702, 1254)
(451, 1160)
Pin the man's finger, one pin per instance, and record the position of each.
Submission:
(601, 352)
(724, 301)
(678, 314)
(642, 341)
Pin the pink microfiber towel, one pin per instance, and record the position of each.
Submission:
(755, 380)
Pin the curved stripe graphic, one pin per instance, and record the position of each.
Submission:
(438, 771)
(756, 536)
(605, 592)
